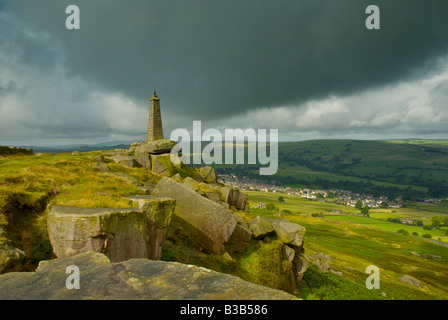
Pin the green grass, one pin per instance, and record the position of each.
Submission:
(354, 245)
(389, 226)
(76, 179)
(29, 183)
(377, 218)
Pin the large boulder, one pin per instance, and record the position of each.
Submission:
(223, 195)
(145, 152)
(240, 237)
(120, 234)
(260, 227)
(135, 279)
(144, 160)
(208, 174)
(191, 183)
(161, 164)
(237, 199)
(289, 233)
(152, 147)
(300, 265)
(158, 212)
(206, 221)
(292, 235)
(288, 253)
(158, 216)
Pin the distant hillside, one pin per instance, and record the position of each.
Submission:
(411, 168)
(80, 147)
(7, 151)
(394, 168)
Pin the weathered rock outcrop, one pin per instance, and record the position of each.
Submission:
(154, 155)
(206, 221)
(260, 227)
(322, 262)
(135, 279)
(208, 174)
(237, 199)
(289, 233)
(158, 217)
(292, 235)
(152, 147)
(120, 234)
(223, 195)
(240, 237)
(161, 164)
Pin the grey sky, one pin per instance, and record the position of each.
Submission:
(309, 68)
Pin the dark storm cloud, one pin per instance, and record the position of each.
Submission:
(213, 59)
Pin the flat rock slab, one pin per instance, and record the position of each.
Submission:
(121, 234)
(153, 147)
(206, 221)
(135, 279)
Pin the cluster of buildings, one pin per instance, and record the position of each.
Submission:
(345, 197)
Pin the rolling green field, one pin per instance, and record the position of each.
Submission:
(354, 244)
(377, 219)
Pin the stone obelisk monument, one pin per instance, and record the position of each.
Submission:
(155, 129)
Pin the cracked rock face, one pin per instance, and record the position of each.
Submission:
(120, 234)
(130, 280)
(207, 222)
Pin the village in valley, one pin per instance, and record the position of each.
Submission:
(342, 197)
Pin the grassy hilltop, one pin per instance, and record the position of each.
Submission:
(29, 183)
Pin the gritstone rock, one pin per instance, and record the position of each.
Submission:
(121, 234)
(260, 227)
(161, 164)
(288, 253)
(240, 237)
(208, 174)
(289, 233)
(206, 221)
(152, 147)
(135, 279)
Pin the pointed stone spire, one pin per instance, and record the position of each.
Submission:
(155, 129)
